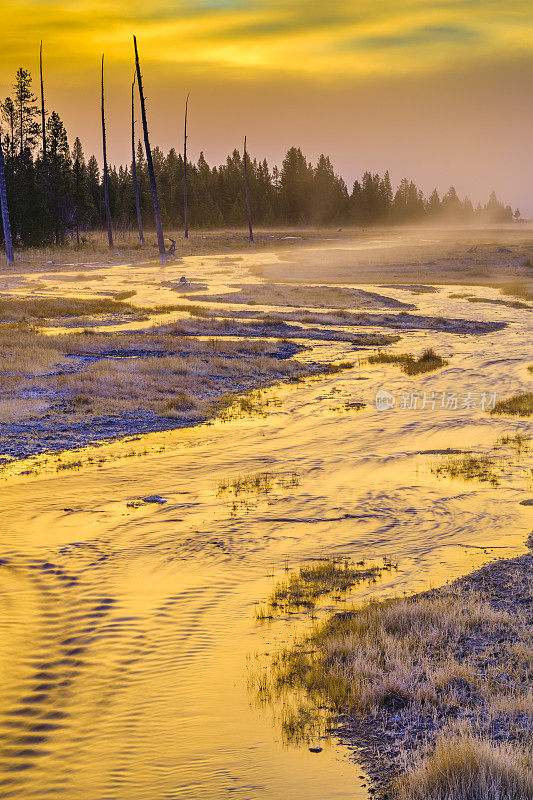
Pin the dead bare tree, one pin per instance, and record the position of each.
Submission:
(247, 195)
(155, 198)
(43, 126)
(134, 166)
(106, 176)
(5, 209)
(185, 172)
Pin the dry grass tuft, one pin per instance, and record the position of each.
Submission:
(517, 290)
(468, 467)
(333, 369)
(521, 442)
(438, 681)
(125, 295)
(258, 483)
(22, 308)
(245, 491)
(392, 653)
(427, 362)
(303, 588)
(465, 767)
(254, 403)
(520, 405)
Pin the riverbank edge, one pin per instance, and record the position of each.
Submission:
(377, 746)
(43, 438)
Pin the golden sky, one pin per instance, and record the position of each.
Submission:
(439, 90)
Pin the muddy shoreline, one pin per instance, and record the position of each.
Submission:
(382, 741)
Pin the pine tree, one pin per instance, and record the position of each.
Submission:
(247, 194)
(60, 174)
(26, 111)
(386, 197)
(296, 188)
(94, 192)
(433, 205)
(80, 188)
(9, 116)
(329, 194)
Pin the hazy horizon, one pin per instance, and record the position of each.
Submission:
(433, 90)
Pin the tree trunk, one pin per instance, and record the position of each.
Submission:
(43, 127)
(5, 209)
(155, 198)
(21, 131)
(247, 195)
(106, 181)
(134, 167)
(185, 173)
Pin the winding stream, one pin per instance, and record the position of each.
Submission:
(127, 632)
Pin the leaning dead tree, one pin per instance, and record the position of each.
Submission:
(5, 209)
(106, 176)
(185, 172)
(155, 198)
(43, 127)
(247, 195)
(134, 166)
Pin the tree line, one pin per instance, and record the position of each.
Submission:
(62, 195)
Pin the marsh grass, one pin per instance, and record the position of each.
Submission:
(517, 290)
(303, 588)
(402, 655)
(350, 405)
(442, 680)
(255, 403)
(20, 309)
(258, 483)
(66, 465)
(421, 658)
(176, 385)
(468, 467)
(156, 373)
(520, 405)
(427, 362)
(245, 491)
(496, 302)
(333, 369)
(520, 442)
(172, 376)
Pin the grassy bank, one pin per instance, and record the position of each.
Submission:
(433, 690)
(68, 390)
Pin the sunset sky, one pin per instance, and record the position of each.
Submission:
(438, 90)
